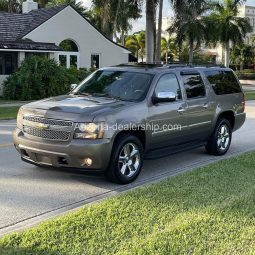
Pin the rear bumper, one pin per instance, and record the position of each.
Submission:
(239, 120)
(71, 155)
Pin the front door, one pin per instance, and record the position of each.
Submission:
(166, 120)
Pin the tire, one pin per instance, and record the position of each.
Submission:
(125, 168)
(220, 140)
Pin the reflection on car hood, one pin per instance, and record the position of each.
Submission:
(74, 107)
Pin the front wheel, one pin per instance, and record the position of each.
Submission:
(126, 160)
(220, 140)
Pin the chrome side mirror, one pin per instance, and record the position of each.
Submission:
(73, 86)
(164, 97)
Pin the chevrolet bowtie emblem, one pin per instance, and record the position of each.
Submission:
(42, 126)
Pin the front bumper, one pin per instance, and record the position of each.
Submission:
(67, 155)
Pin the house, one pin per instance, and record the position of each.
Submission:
(43, 31)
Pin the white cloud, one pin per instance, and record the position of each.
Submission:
(86, 3)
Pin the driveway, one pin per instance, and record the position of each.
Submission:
(29, 194)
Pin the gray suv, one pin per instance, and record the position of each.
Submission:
(119, 116)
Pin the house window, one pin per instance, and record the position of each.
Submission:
(70, 56)
(95, 61)
(8, 62)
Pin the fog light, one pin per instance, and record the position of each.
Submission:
(88, 161)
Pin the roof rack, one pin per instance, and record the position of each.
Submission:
(141, 65)
(192, 65)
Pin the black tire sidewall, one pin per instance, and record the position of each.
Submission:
(114, 171)
(216, 149)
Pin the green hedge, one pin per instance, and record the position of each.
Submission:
(247, 74)
(39, 78)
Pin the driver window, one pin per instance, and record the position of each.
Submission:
(169, 83)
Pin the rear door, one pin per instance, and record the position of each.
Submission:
(199, 111)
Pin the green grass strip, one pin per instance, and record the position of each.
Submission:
(8, 112)
(210, 210)
(250, 95)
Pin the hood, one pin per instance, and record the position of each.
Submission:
(74, 107)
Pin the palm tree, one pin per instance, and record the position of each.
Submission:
(136, 44)
(150, 23)
(190, 25)
(242, 55)
(168, 48)
(112, 17)
(228, 28)
(78, 5)
(158, 46)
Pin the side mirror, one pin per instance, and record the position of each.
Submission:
(164, 97)
(73, 86)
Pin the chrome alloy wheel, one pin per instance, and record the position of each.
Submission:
(223, 137)
(129, 160)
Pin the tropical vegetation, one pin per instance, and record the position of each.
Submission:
(39, 78)
(228, 29)
(242, 56)
(136, 43)
(196, 23)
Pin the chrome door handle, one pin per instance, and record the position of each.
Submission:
(205, 106)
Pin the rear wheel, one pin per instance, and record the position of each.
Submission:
(126, 160)
(220, 140)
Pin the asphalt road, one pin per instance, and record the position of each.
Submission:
(29, 194)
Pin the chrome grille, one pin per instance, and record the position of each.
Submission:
(49, 129)
(53, 122)
(47, 134)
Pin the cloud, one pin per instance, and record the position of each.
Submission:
(86, 3)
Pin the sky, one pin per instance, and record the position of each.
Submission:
(139, 25)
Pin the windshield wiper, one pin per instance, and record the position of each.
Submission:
(79, 93)
(104, 95)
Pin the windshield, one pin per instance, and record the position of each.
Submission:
(122, 85)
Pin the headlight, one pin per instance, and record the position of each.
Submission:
(89, 130)
(20, 118)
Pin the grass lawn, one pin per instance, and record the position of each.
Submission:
(8, 112)
(250, 95)
(210, 210)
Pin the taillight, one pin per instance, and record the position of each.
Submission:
(243, 102)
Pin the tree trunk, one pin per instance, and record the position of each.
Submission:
(158, 48)
(122, 38)
(191, 51)
(227, 54)
(149, 31)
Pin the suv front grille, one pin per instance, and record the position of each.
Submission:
(47, 134)
(54, 122)
(49, 129)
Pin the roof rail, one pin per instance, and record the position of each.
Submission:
(142, 65)
(192, 65)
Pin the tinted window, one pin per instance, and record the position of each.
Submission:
(194, 85)
(169, 83)
(123, 85)
(223, 82)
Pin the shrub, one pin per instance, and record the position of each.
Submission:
(39, 78)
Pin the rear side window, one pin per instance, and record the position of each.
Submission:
(223, 82)
(194, 85)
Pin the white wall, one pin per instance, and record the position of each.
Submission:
(2, 79)
(68, 24)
